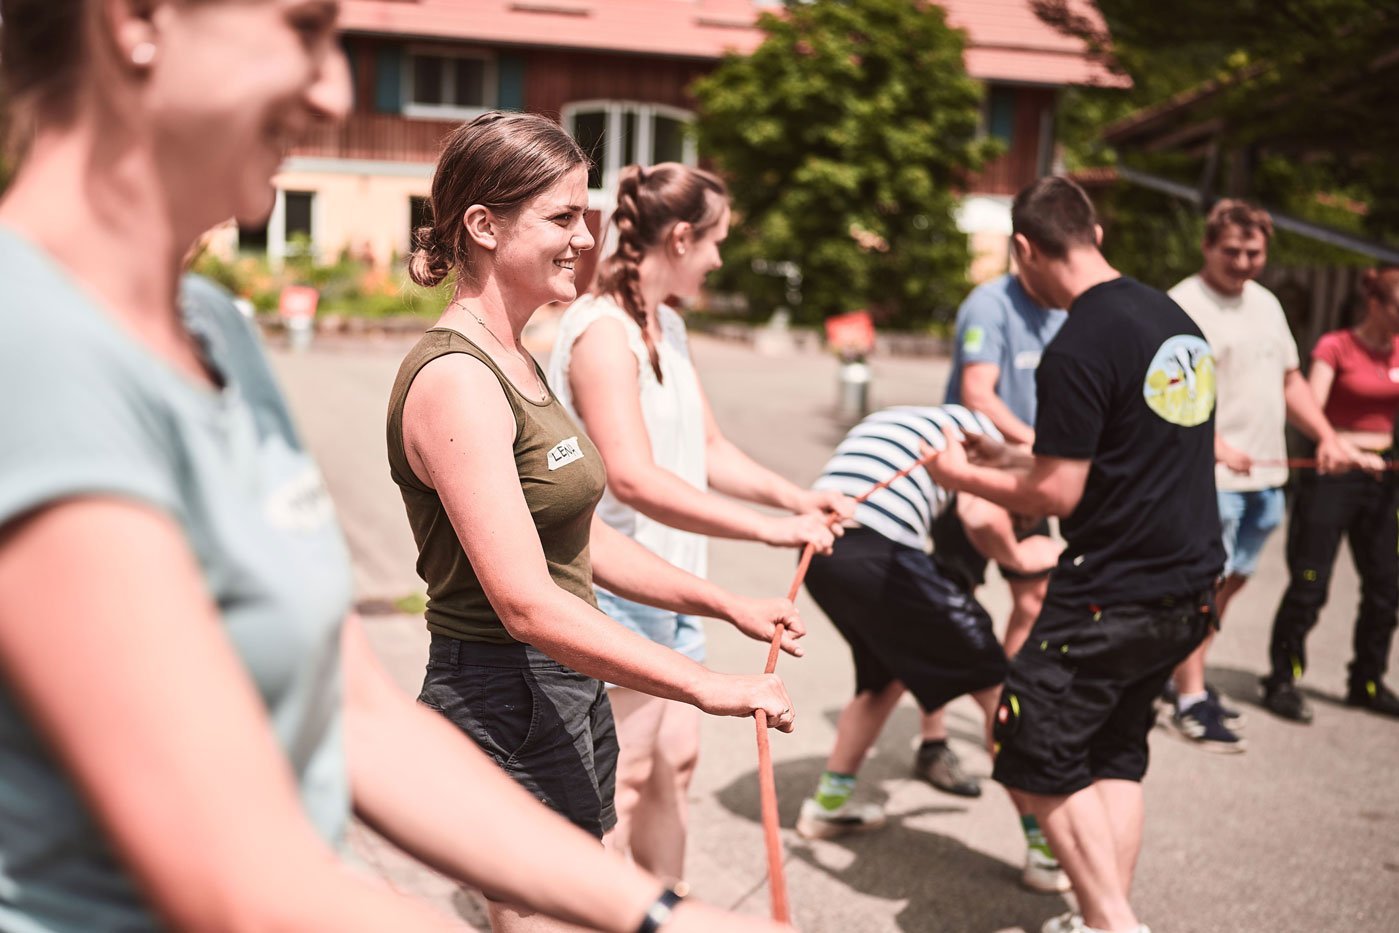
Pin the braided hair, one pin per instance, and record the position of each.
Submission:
(650, 202)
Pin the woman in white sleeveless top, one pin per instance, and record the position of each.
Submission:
(622, 365)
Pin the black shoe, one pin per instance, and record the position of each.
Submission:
(1374, 696)
(1282, 699)
(1233, 719)
(940, 767)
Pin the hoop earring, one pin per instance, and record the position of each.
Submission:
(142, 54)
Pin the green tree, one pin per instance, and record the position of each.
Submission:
(1300, 90)
(846, 137)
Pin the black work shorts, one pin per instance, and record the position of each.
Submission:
(1078, 702)
(904, 620)
(547, 725)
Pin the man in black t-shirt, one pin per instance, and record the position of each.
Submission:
(1124, 453)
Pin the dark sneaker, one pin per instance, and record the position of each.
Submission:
(1233, 719)
(1203, 724)
(1374, 696)
(941, 767)
(1283, 699)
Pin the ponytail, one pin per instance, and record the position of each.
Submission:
(650, 202)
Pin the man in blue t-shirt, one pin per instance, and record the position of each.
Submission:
(1124, 454)
(1002, 331)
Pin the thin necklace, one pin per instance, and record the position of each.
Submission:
(542, 389)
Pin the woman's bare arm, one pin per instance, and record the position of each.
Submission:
(606, 391)
(131, 680)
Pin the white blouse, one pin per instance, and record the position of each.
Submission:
(671, 410)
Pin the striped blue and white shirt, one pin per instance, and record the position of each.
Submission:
(882, 445)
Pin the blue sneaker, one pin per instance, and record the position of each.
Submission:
(1203, 724)
(1233, 719)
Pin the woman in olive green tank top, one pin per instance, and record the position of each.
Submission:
(500, 486)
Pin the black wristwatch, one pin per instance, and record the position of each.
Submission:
(659, 911)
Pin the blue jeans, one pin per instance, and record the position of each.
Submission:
(676, 631)
(1248, 518)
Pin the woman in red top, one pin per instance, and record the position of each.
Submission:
(1355, 376)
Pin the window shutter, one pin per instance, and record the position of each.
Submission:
(1000, 118)
(511, 82)
(388, 80)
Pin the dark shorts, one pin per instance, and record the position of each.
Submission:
(959, 559)
(904, 620)
(548, 726)
(1078, 702)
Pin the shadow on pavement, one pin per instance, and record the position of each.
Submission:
(1244, 687)
(947, 885)
(1236, 684)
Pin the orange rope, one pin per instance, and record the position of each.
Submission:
(767, 782)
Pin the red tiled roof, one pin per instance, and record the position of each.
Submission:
(673, 28)
(1006, 41)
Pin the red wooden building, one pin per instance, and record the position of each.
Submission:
(616, 73)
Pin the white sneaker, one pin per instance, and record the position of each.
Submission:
(1069, 922)
(1042, 874)
(816, 822)
(1073, 923)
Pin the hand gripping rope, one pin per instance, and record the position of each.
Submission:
(767, 783)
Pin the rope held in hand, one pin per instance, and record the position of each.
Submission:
(767, 783)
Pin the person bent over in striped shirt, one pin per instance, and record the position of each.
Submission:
(912, 621)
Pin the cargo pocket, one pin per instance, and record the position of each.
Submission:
(508, 714)
(494, 706)
(1031, 707)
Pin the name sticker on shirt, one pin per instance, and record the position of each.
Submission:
(1027, 359)
(300, 503)
(565, 452)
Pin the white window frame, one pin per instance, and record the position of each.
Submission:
(604, 198)
(490, 86)
(277, 226)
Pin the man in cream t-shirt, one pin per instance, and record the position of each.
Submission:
(1260, 388)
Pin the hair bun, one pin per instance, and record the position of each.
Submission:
(427, 264)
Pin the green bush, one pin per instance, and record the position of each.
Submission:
(347, 286)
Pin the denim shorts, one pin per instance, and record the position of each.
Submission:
(676, 631)
(547, 725)
(1248, 518)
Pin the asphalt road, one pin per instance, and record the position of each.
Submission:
(1299, 833)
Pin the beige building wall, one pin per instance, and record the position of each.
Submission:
(360, 206)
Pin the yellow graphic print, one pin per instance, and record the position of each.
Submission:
(1180, 381)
